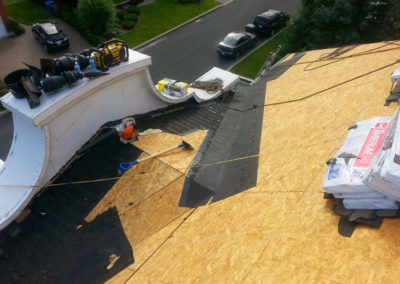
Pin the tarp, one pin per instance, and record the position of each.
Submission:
(346, 177)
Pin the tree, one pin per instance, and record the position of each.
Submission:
(95, 14)
(336, 22)
(348, 21)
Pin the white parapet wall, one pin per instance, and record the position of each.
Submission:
(47, 137)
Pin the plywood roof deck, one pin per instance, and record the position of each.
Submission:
(282, 230)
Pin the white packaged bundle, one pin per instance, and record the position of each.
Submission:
(385, 173)
(344, 177)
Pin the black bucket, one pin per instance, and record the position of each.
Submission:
(14, 83)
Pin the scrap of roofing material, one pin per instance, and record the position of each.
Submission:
(262, 235)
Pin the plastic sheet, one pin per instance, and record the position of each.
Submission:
(385, 173)
(344, 178)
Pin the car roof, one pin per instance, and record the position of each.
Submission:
(49, 27)
(269, 13)
(236, 35)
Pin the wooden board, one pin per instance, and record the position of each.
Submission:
(282, 230)
(180, 158)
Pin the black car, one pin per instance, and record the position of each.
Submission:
(270, 22)
(50, 35)
(236, 43)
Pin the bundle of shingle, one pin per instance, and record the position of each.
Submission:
(365, 172)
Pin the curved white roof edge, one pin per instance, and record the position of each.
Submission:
(229, 82)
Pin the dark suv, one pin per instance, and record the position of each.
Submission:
(50, 35)
(270, 22)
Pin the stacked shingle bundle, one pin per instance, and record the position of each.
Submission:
(365, 172)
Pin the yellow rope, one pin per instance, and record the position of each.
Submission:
(225, 162)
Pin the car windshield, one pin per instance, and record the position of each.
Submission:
(50, 29)
(229, 40)
(262, 19)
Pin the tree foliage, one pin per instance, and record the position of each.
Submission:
(95, 14)
(336, 22)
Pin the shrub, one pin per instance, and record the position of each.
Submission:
(95, 14)
(121, 14)
(133, 9)
(131, 17)
(127, 25)
(70, 17)
(13, 26)
(67, 15)
(91, 37)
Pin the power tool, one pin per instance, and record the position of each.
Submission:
(110, 53)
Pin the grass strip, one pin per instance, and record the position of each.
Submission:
(162, 16)
(251, 65)
(27, 12)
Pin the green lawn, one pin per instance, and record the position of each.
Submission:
(27, 12)
(250, 66)
(163, 15)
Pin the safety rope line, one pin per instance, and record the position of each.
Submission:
(80, 182)
(161, 244)
(170, 235)
(178, 169)
(144, 198)
(226, 161)
(362, 53)
(313, 94)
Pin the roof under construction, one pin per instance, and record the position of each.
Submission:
(252, 207)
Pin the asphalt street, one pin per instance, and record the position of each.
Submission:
(187, 53)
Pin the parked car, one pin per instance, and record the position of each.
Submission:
(236, 43)
(50, 35)
(270, 22)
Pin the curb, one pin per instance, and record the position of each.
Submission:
(180, 26)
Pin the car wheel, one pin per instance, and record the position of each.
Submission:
(273, 32)
(237, 54)
(45, 47)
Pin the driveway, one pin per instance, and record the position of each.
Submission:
(24, 48)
